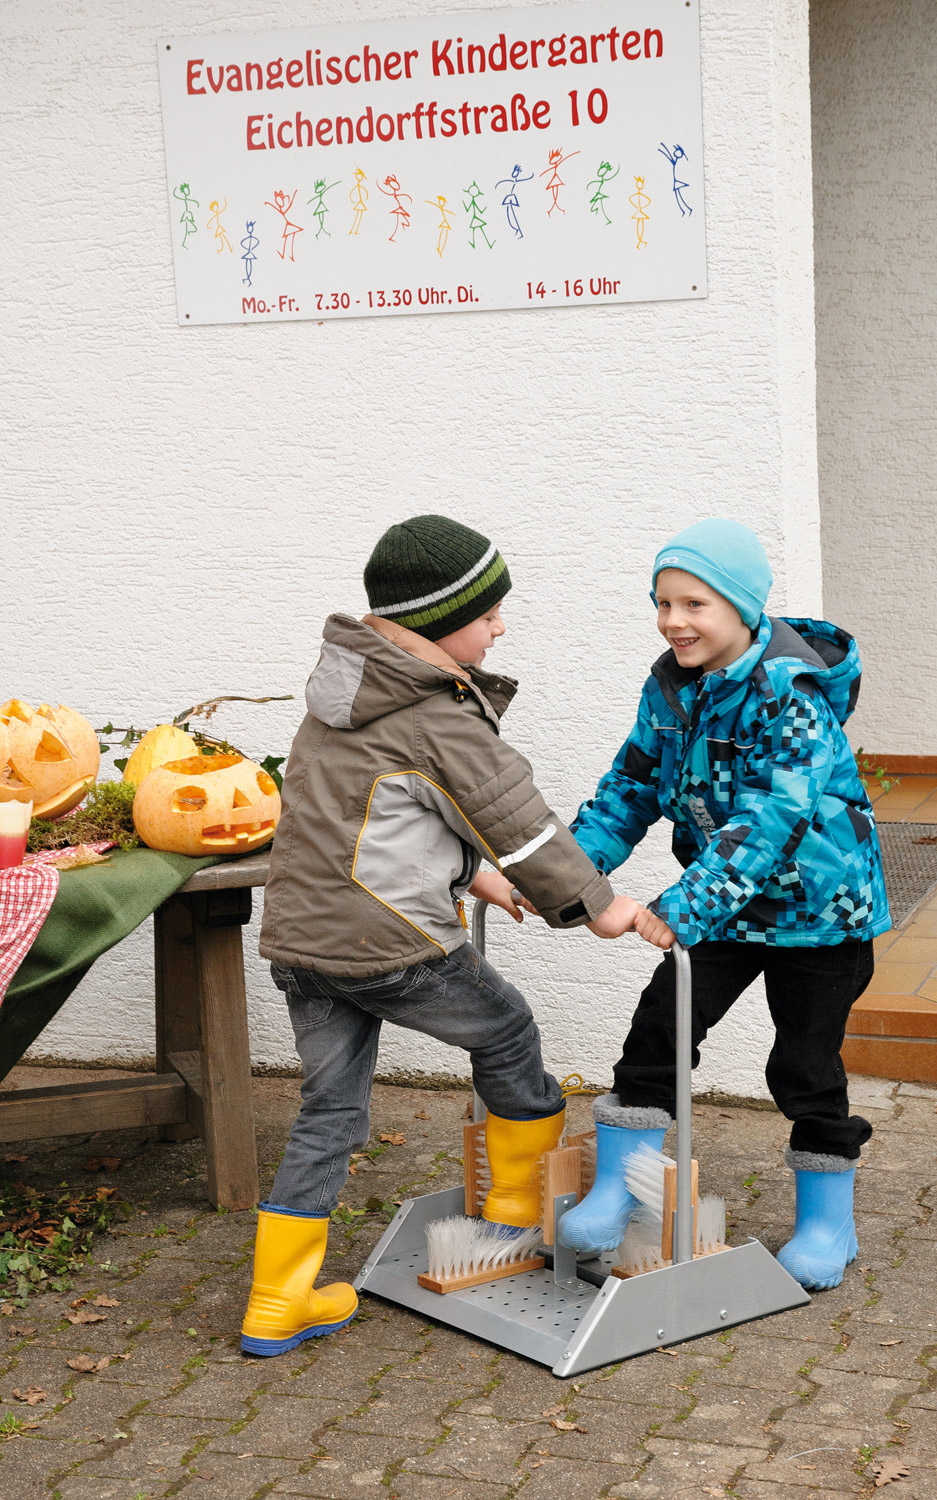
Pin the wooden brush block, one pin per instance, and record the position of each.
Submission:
(585, 1139)
(562, 1173)
(670, 1205)
(475, 1167)
(697, 1255)
(479, 1278)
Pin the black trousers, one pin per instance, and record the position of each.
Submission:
(810, 992)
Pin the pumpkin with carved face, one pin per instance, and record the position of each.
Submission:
(48, 756)
(207, 804)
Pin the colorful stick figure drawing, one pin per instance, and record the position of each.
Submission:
(189, 226)
(359, 200)
(511, 203)
(400, 215)
(249, 245)
(598, 199)
(678, 154)
(321, 207)
(282, 205)
(556, 160)
(476, 209)
(444, 224)
(221, 237)
(640, 202)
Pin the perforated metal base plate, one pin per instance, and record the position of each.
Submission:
(595, 1321)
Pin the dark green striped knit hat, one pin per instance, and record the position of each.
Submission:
(433, 576)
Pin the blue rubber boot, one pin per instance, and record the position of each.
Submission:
(599, 1221)
(824, 1240)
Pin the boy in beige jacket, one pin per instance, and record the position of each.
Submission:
(398, 785)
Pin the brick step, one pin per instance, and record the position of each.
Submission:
(892, 1036)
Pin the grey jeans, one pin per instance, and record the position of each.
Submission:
(459, 999)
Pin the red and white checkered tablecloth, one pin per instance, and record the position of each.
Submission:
(26, 894)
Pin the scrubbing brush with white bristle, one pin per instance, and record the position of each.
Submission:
(711, 1225)
(464, 1252)
(640, 1249)
(648, 1242)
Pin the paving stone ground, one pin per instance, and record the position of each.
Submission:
(795, 1407)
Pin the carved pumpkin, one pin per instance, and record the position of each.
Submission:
(207, 804)
(48, 756)
(165, 742)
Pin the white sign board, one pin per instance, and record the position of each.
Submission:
(538, 157)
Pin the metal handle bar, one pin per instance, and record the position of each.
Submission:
(683, 1233)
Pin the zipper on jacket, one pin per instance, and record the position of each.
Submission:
(460, 908)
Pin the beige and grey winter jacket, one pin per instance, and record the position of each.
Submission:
(398, 785)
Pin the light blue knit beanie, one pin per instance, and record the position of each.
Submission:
(726, 555)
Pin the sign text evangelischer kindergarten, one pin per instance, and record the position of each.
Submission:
(495, 159)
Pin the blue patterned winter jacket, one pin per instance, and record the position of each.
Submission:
(751, 765)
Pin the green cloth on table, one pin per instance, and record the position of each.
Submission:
(95, 907)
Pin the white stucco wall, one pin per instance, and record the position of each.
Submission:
(874, 79)
(184, 506)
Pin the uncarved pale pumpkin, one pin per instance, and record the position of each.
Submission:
(49, 756)
(165, 742)
(207, 804)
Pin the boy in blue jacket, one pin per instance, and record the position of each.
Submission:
(739, 742)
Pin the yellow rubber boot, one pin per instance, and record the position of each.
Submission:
(283, 1308)
(515, 1152)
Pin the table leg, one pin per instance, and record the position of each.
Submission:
(177, 1020)
(227, 1108)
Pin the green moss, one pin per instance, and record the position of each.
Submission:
(105, 814)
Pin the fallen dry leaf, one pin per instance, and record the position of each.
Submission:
(22, 1331)
(85, 1315)
(16, 1158)
(889, 1343)
(102, 1301)
(31, 1396)
(419, 1114)
(551, 1411)
(7, 1310)
(88, 1366)
(562, 1426)
(77, 854)
(102, 1164)
(393, 1137)
(886, 1472)
(105, 1192)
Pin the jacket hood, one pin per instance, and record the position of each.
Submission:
(372, 667)
(815, 649)
(783, 652)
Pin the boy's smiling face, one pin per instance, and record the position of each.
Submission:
(705, 631)
(469, 644)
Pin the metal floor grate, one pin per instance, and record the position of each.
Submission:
(910, 867)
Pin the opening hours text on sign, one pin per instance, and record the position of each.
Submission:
(547, 156)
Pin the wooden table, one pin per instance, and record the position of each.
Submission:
(202, 1084)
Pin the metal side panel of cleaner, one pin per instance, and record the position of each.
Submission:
(576, 1319)
(684, 1301)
